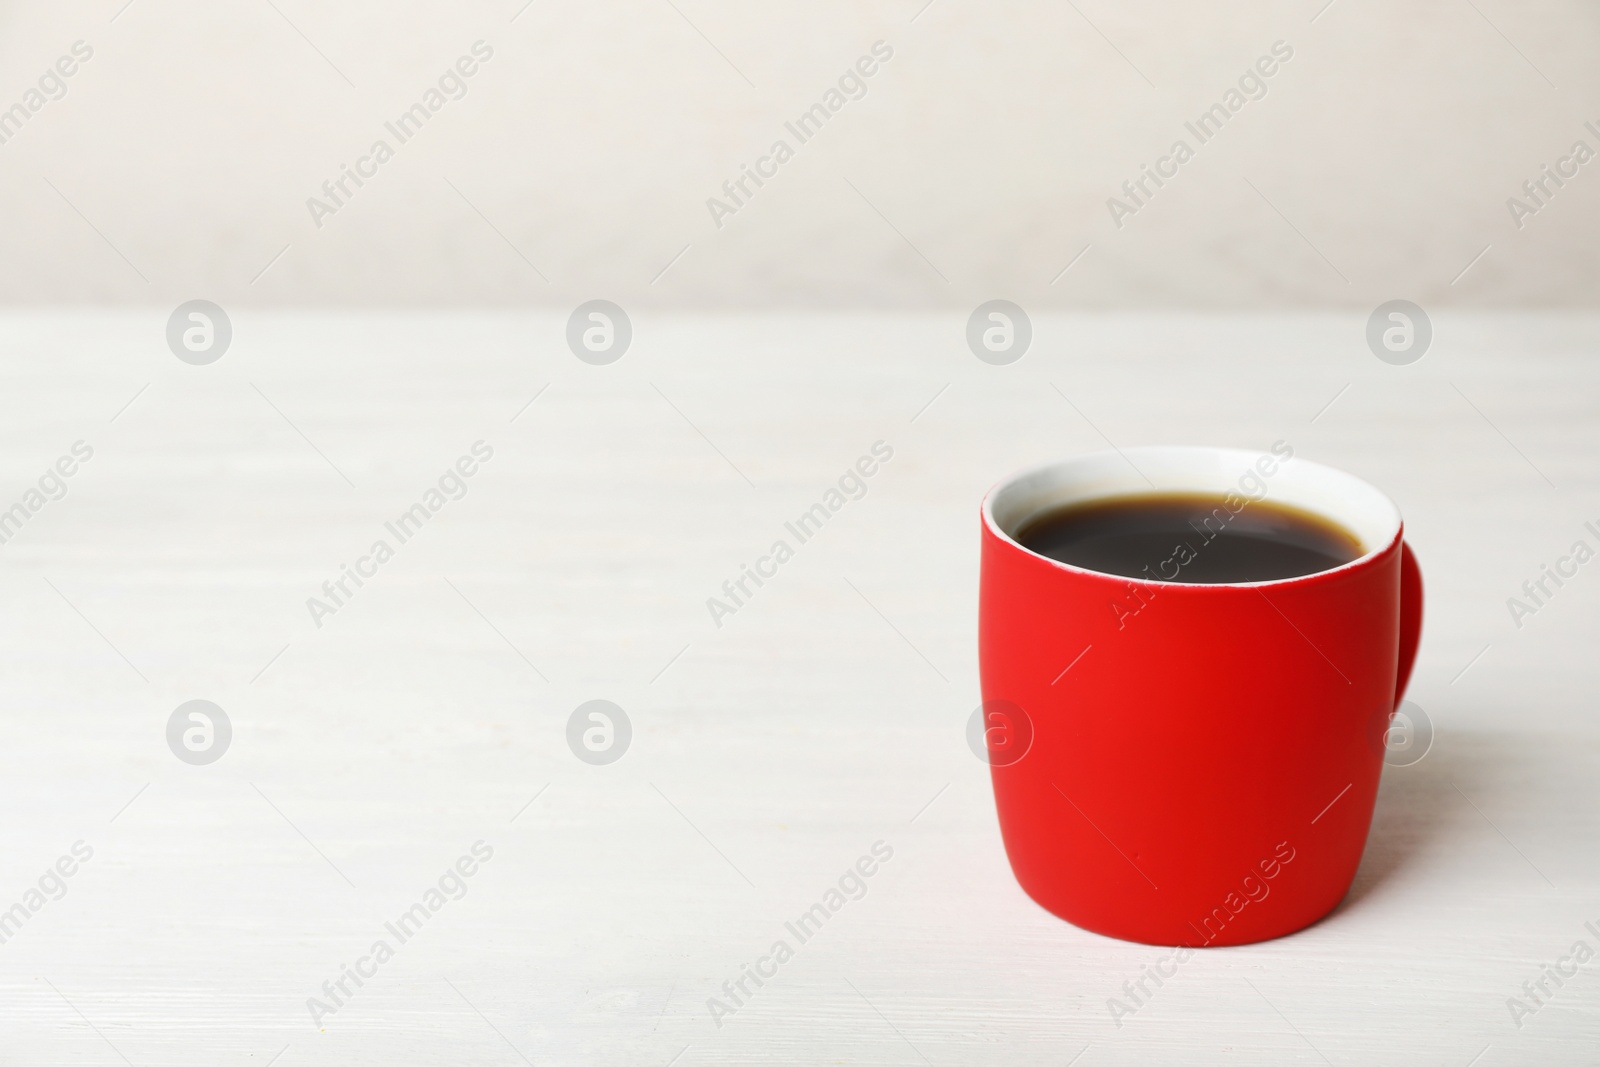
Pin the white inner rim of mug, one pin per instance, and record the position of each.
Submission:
(1341, 498)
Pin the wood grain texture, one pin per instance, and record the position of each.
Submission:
(769, 753)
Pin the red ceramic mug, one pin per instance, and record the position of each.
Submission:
(1185, 764)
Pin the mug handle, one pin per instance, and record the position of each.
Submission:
(1410, 618)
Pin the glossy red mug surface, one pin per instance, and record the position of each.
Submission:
(1186, 764)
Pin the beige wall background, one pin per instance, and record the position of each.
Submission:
(178, 162)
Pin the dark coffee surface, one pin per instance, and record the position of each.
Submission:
(1190, 537)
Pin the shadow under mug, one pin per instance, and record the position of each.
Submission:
(1186, 764)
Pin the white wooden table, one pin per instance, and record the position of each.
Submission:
(767, 755)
